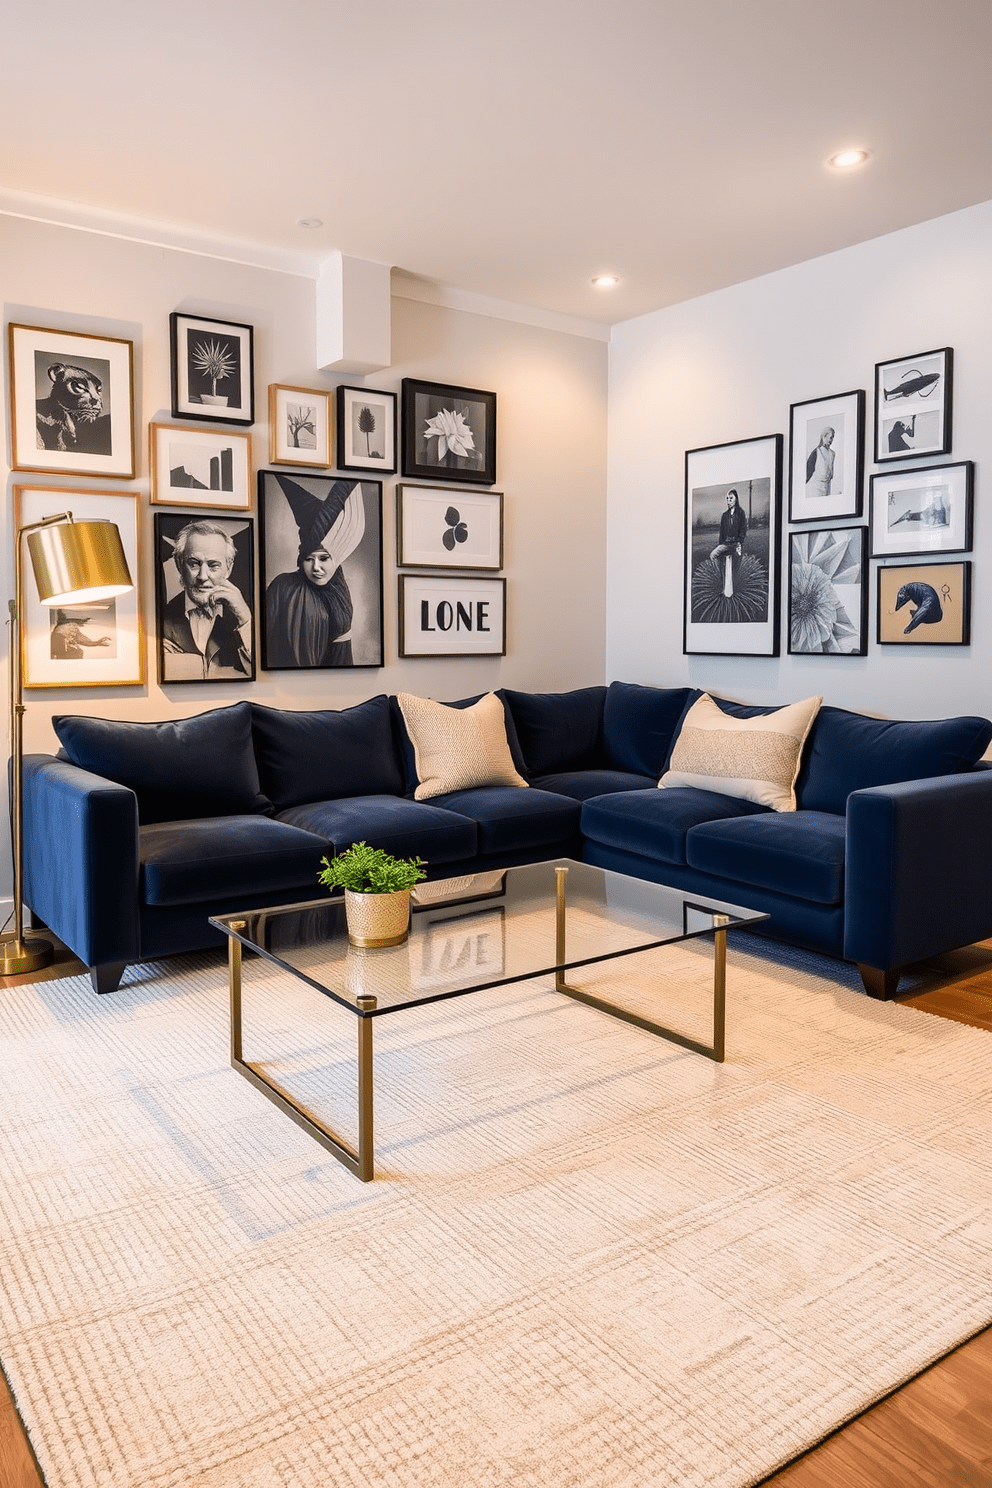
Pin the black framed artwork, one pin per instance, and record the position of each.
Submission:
(924, 604)
(828, 592)
(213, 369)
(440, 528)
(926, 510)
(440, 615)
(826, 457)
(204, 597)
(449, 433)
(913, 406)
(366, 429)
(733, 509)
(321, 571)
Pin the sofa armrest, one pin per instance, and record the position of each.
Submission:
(919, 869)
(81, 858)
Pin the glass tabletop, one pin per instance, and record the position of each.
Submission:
(480, 930)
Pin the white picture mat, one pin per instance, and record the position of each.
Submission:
(808, 422)
(422, 523)
(25, 341)
(126, 667)
(753, 459)
(193, 449)
(896, 497)
(450, 633)
(281, 450)
(376, 451)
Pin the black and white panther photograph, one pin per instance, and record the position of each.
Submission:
(70, 405)
(72, 402)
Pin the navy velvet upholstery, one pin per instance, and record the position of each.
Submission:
(325, 755)
(193, 862)
(847, 752)
(639, 725)
(581, 784)
(189, 767)
(654, 823)
(800, 853)
(404, 828)
(509, 818)
(558, 731)
(408, 754)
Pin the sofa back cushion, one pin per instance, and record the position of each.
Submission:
(558, 731)
(848, 752)
(179, 770)
(326, 755)
(639, 724)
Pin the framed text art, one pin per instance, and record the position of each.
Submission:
(366, 427)
(449, 433)
(71, 403)
(443, 616)
(924, 604)
(321, 571)
(733, 500)
(204, 598)
(913, 406)
(438, 528)
(299, 426)
(99, 643)
(828, 592)
(200, 467)
(922, 511)
(826, 457)
(213, 370)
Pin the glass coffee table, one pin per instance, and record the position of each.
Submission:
(467, 934)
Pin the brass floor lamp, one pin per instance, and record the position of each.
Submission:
(73, 563)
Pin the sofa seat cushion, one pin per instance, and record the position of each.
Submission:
(191, 862)
(581, 784)
(798, 853)
(654, 823)
(509, 819)
(404, 828)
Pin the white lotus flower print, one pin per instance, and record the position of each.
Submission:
(451, 432)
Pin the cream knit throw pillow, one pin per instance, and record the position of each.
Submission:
(458, 748)
(756, 759)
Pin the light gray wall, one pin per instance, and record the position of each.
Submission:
(727, 366)
(551, 390)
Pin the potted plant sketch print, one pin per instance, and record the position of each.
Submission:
(212, 369)
(215, 361)
(733, 501)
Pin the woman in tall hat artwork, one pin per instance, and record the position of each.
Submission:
(309, 611)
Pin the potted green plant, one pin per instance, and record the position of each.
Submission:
(376, 892)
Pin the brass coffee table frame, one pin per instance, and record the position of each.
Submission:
(360, 1160)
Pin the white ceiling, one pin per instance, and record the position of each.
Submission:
(514, 147)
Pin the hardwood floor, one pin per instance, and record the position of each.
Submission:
(934, 1432)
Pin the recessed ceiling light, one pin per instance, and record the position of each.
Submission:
(606, 281)
(310, 222)
(845, 159)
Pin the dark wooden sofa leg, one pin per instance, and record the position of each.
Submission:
(107, 978)
(880, 984)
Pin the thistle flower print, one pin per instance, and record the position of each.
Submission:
(451, 432)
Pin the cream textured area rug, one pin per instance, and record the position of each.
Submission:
(590, 1259)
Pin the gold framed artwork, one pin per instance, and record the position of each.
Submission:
(200, 467)
(100, 644)
(71, 402)
(299, 426)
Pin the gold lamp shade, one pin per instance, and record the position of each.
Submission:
(78, 562)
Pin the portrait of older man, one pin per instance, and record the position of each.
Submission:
(205, 629)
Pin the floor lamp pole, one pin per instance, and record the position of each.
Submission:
(18, 955)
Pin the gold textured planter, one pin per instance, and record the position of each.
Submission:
(377, 919)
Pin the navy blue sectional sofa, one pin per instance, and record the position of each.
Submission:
(137, 833)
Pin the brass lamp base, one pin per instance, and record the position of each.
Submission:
(18, 955)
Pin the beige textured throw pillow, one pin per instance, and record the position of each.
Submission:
(458, 748)
(756, 759)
